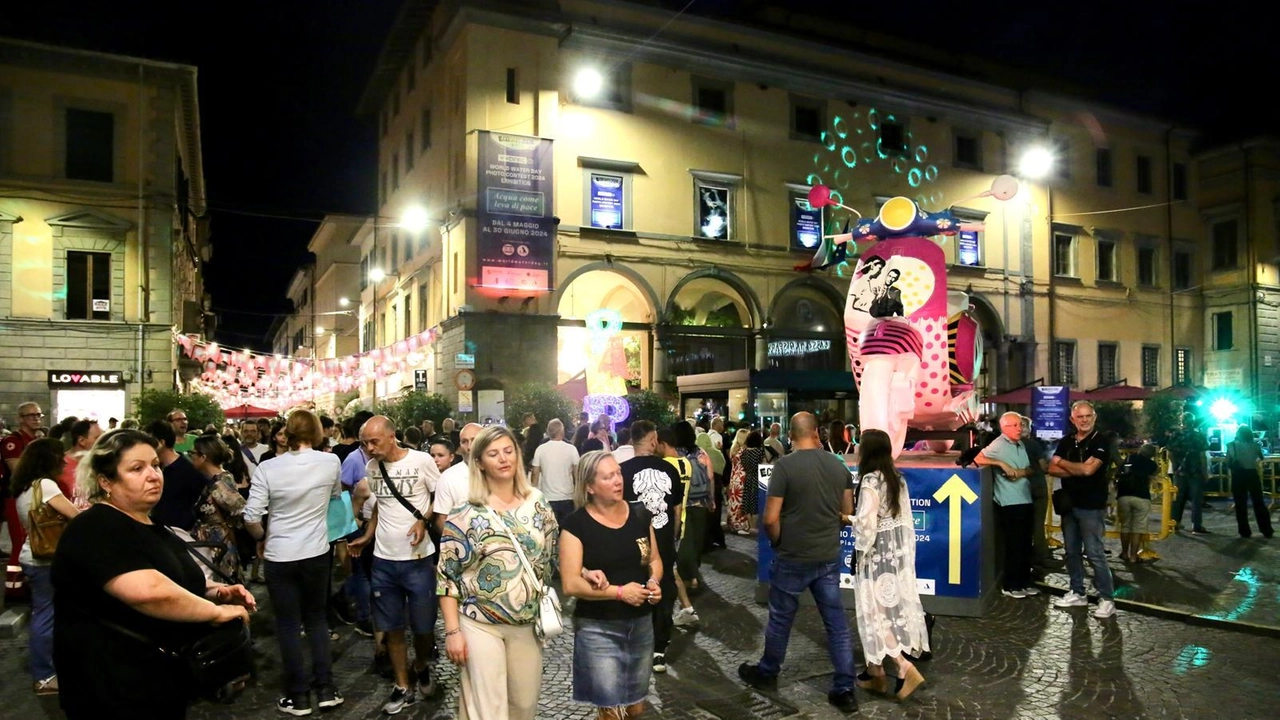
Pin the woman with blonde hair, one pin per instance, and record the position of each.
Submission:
(488, 599)
(733, 499)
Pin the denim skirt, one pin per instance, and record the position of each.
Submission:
(612, 661)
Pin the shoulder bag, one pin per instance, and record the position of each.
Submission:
(216, 661)
(46, 525)
(549, 623)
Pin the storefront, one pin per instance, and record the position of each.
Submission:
(763, 397)
(93, 394)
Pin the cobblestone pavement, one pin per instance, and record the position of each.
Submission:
(1219, 577)
(1024, 660)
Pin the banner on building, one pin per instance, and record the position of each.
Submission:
(1050, 406)
(514, 213)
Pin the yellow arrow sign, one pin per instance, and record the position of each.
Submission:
(952, 492)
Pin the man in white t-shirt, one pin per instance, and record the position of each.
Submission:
(716, 432)
(401, 482)
(553, 464)
(455, 483)
(253, 449)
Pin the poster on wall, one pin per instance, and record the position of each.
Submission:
(1049, 411)
(514, 213)
(806, 225)
(606, 201)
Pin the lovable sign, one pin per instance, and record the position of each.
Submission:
(84, 379)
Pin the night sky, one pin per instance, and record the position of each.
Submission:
(279, 82)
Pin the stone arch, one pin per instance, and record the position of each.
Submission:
(985, 312)
(826, 289)
(605, 266)
(735, 283)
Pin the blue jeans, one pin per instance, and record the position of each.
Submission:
(299, 592)
(789, 580)
(41, 643)
(1190, 488)
(397, 583)
(1082, 535)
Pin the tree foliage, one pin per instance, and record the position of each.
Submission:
(541, 399)
(1118, 417)
(1162, 416)
(649, 405)
(201, 409)
(413, 407)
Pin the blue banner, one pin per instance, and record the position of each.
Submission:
(947, 517)
(967, 248)
(606, 201)
(806, 225)
(1050, 409)
(515, 213)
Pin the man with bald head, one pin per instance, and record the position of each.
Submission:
(401, 481)
(455, 483)
(1008, 455)
(810, 497)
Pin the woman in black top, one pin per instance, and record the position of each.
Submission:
(613, 633)
(279, 445)
(115, 567)
(836, 441)
(751, 460)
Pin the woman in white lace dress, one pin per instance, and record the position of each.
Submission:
(890, 618)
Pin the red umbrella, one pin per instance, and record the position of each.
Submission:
(246, 411)
(1120, 392)
(1022, 396)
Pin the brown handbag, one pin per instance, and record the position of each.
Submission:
(46, 526)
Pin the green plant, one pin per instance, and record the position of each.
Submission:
(1162, 416)
(412, 408)
(649, 405)
(201, 409)
(541, 399)
(1119, 418)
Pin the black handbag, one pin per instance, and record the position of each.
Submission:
(1061, 502)
(216, 661)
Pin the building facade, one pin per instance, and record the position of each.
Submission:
(678, 153)
(102, 230)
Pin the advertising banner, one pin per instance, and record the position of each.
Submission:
(514, 212)
(606, 201)
(1050, 409)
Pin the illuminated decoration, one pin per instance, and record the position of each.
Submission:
(616, 408)
(603, 325)
(1223, 410)
(234, 377)
(793, 348)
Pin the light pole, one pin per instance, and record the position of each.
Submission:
(1037, 164)
(415, 220)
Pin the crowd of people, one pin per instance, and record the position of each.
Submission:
(465, 530)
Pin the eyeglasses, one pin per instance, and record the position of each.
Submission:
(34, 415)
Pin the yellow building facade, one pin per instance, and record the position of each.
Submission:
(101, 229)
(678, 176)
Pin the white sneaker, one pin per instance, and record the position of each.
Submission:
(659, 662)
(1106, 608)
(685, 616)
(1014, 594)
(1071, 600)
(1030, 591)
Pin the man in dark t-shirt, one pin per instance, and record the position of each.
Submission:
(1081, 461)
(182, 482)
(810, 496)
(655, 483)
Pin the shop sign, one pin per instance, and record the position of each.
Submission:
(791, 348)
(85, 379)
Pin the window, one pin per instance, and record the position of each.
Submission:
(513, 89)
(1147, 267)
(712, 102)
(1102, 160)
(893, 138)
(395, 171)
(808, 118)
(1144, 174)
(1064, 255)
(299, 340)
(364, 272)
(426, 130)
(968, 151)
(1182, 270)
(1150, 366)
(714, 203)
(90, 151)
(395, 251)
(455, 273)
(302, 301)
(408, 315)
(1107, 260)
(88, 286)
(1182, 366)
(1065, 353)
(1108, 363)
(366, 342)
(410, 77)
(408, 151)
(1226, 237)
(423, 298)
(1222, 331)
(1179, 181)
(806, 223)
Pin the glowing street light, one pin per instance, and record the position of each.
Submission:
(1036, 163)
(319, 330)
(588, 83)
(415, 219)
(344, 302)
(377, 275)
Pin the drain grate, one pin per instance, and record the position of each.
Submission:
(748, 706)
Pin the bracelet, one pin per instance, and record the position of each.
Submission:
(454, 631)
(619, 593)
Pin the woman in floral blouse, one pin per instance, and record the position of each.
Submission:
(220, 509)
(487, 599)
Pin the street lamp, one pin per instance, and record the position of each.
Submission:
(587, 83)
(1037, 163)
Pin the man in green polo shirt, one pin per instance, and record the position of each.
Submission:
(185, 441)
(1008, 455)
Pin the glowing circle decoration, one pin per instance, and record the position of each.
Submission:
(616, 408)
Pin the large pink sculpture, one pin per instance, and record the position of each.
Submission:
(913, 348)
